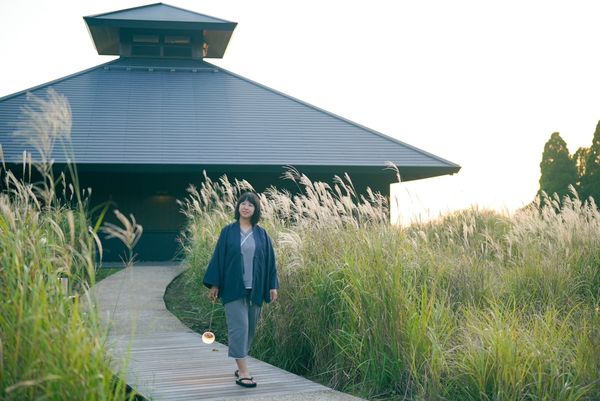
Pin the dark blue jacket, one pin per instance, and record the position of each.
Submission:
(226, 266)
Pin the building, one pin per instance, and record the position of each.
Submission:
(150, 122)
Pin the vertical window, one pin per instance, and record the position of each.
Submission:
(145, 45)
(177, 46)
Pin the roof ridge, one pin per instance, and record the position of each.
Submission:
(157, 4)
(194, 12)
(387, 137)
(124, 9)
(21, 92)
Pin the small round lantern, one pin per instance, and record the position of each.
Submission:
(208, 337)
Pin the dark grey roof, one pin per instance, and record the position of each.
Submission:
(188, 112)
(158, 12)
(105, 28)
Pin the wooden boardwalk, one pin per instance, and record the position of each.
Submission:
(164, 360)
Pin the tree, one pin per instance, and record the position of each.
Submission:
(580, 158)
(557, 167)
(590, 181)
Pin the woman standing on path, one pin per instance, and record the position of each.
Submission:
(242, 272)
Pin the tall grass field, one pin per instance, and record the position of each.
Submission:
(475, 306)
(51, 345)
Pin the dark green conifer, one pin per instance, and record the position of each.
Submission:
(558, 168)
(590, 181)
(580, 158)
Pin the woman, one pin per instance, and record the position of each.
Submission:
(242, 272)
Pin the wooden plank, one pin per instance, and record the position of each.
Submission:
(166, 361)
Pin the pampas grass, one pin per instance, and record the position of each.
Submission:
(51, 346)
(129, 234)
(478, 305)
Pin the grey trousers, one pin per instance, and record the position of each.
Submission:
(241, 316)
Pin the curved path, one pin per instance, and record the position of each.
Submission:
(165, 360)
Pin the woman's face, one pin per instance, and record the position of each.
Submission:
(246, 209)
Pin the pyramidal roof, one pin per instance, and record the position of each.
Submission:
(185, 112)
(106, 29)
(158, 12)
(190, 112)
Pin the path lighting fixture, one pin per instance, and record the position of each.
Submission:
(209, 337)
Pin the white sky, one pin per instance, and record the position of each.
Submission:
(479, 83)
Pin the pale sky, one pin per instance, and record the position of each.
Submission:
(480, 83)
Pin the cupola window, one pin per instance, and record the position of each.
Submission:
(177, 46)
(145, 45)
(161, 45)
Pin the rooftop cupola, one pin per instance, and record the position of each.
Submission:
(159, 30)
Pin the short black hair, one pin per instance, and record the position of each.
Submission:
(252, 198)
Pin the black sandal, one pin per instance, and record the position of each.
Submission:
(237, 373)
(241, 382)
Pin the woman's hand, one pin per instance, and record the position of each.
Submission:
(274, 295)
(213, 293)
